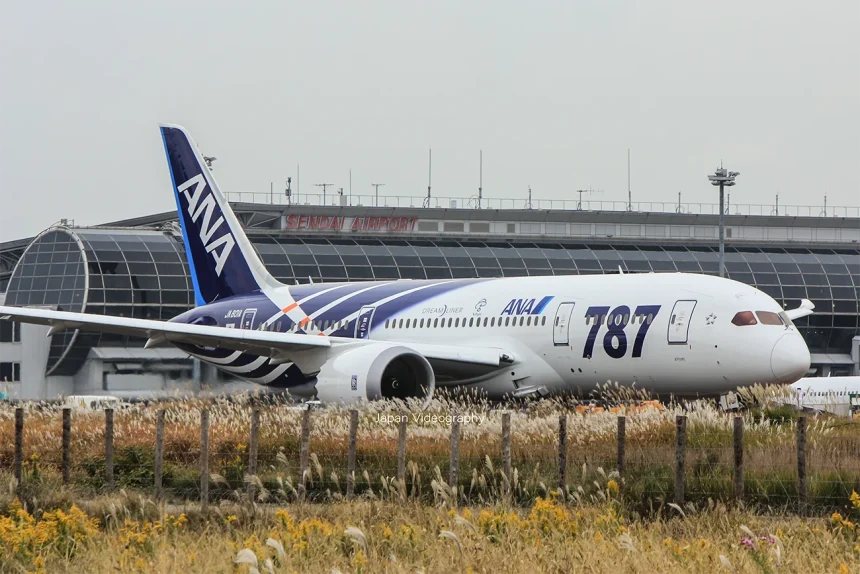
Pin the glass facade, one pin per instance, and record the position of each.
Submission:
(144, 273)
(141, 274)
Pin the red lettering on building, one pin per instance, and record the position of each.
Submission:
(369, 223)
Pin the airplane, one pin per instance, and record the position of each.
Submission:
(836, 395)
(509, 337)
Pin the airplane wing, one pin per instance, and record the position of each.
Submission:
(262, 343)
(805, 308)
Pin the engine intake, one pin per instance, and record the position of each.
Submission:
(374, 372)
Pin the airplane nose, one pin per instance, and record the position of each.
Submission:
(790, 358)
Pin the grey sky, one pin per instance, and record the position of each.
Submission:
(554, 93)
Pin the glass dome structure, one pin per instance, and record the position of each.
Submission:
(128, 273)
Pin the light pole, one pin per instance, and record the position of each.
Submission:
(376, 186)
(723, 179)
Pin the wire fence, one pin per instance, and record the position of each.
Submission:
(804, 465)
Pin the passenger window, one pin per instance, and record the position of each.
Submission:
(768, 318)
(400, 325)
(650, 318)
(522, 320)
(744, 318)
(485, 321)
(421, 325)
(507, 321)
(386, 323)
(435, 323)
(543, 321)
(471, 321)
(457, 322)
(529, 322)
(492, 322)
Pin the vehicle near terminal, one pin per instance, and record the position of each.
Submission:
(93, 402)
(678, 333)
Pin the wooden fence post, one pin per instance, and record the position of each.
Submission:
(680, 458)
(622, 438)
(454, 470)
(304, 453)
(739, 459)
(506, 447)
(401, 451)
(562, 453)
(109, 480)
(204, 461)
(19, 444)
(67, 446)
(350, 458)
(253, 446)
(801, 465)
(159, 452)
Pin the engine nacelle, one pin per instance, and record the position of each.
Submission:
(374, 372)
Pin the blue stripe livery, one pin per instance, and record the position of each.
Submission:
(526, 306)
(218, 267)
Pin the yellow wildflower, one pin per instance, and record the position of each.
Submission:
(359, 560)
(612, 486)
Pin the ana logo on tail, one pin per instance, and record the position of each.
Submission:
(206, 207)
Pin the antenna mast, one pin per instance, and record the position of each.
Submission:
(480, 178)
(324, 186)
(376, 186)
(629, 193)
(429, 177)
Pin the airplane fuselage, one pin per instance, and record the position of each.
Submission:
(665, 332)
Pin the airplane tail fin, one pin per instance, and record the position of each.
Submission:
(221, 259)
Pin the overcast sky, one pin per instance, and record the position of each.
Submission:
(553, 92)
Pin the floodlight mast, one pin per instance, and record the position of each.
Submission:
(723, 178)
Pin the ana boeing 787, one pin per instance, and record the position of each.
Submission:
(686, 334)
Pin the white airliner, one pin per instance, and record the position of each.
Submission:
(685, 334)
(836, 395)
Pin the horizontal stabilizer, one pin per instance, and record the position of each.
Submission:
(805, 308)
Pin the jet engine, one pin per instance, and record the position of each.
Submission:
(374, 372)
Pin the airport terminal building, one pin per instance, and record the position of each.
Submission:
(137, 268)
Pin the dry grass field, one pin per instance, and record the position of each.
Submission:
(602, 521)
(120, 534)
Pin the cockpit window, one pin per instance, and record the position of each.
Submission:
(785, 318)
(744, 318)
(769, 318)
